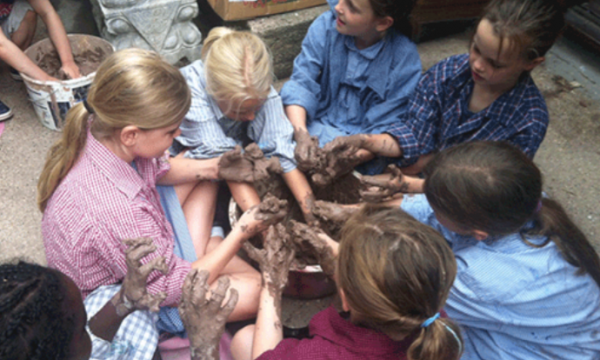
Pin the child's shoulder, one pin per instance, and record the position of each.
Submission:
(450, 67)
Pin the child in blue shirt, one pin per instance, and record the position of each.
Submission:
(528, 281)
(354, 75)
(487, 94)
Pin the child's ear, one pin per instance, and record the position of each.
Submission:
(129, 135)
(344, 301)
(535, 62)
(480, 235)
(384, 23)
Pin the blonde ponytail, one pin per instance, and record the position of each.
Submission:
(131, 87)
(238, 66)
(63, 154)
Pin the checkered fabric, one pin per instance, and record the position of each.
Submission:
(136, 339)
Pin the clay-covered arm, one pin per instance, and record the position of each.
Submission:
(205, 319)
(133, 295)
(274, 260)
(297, 116)
(189, 170)
(313, 241)
(58, 35)
(299, 186)
(270, 211)
(383, 186)
(13, 56)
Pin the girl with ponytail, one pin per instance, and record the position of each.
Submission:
(528, 281)
(393, 275)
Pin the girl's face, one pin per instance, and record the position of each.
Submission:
(154, 143)
(499, 71)
(356, 18)
(80, 347)
(246, 111)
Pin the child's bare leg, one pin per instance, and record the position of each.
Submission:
(23, 36)
(241, 345)
(198, 201)
(245, 279)
(244, 194)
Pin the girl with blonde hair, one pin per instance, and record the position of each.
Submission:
(393, 274)
(98, 187)
(234, 103)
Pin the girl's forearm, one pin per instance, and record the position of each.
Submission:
(220, 256)
(190, 170)
(244, 194)
(297, 116)
(13, 56)
(269, 329)
(57, 33)
(382, 145)
(299, 186)
(106, 322)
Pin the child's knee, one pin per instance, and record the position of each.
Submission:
(23, 36)
(241, 345)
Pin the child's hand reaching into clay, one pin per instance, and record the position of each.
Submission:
(69, 71)
(378, 188)
(204, 319)
(133, 294)
(313, 241)
(270, 211)
(340, 158)
(250, 166)
(274, 259)
(308, 154)
(336, 213)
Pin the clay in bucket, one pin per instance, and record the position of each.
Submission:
(52, 100)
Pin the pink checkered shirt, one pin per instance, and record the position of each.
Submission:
(100, 202)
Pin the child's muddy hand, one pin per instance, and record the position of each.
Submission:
(341, 143)
(205, 319)
(70, 71)
(340, 160)
(250, 166)
(379, 187)
(333, 212)
(308, 154)
(312, 241)
(133, 293)
(274, 259)
(258, 218)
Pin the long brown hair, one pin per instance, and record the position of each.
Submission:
(493, 187)
(532, 25)
(399, 10)
(131, 87)
(396, 273)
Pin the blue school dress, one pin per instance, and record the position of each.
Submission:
(349, 91)
(209, 133)
(439, 117)
(514, 301)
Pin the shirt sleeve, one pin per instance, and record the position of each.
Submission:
(273, 132)
(304, 88)
(530, 138)
(417, 133)
(200, 129)
(110, 253)
(402, 79)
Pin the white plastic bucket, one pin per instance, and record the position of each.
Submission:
(52, 99)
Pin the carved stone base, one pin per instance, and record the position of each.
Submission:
(161, 25)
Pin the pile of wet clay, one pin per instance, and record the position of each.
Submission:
(88, 61)
(344, 190)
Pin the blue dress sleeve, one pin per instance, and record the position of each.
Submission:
(304, 86)
(273, 132)
(200, 130)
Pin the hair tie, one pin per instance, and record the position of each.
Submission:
(430, 321)
(455, 337)
(87, 107)
(539, 207)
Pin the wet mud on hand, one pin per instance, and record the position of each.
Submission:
(377, 188)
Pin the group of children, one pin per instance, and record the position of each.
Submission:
(481, 265)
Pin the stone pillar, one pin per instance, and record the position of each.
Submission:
(161, 25)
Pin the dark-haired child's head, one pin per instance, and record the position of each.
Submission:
(483, 188)
(41, 315)
(369, 20)
(513, 37)
(394, 273)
